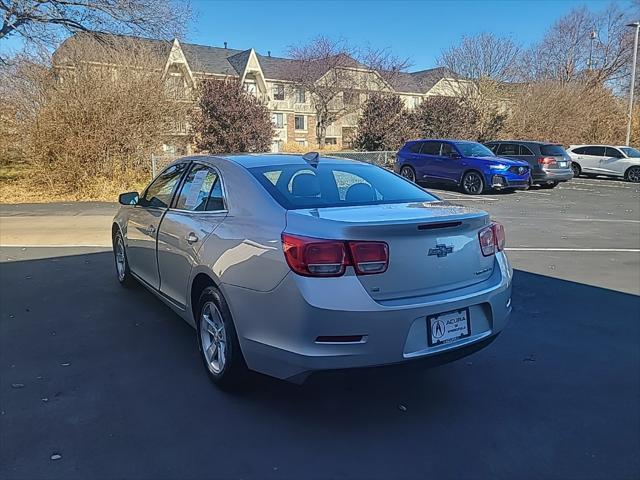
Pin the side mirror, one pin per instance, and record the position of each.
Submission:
(454, 155)
(129, 198)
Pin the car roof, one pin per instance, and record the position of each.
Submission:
(533, 142)
(452, 140)
(249, 160)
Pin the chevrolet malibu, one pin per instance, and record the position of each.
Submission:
(288, 264)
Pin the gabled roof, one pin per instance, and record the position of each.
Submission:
(232, 62)
(421, 81)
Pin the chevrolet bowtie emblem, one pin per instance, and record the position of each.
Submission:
(440, 251)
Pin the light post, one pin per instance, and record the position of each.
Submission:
(592, 37)
(635, 25)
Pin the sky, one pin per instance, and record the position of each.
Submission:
(417, 30)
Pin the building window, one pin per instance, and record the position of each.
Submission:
(299, 122)
(302, 143)
(331, 141)
(251, 87)
(350, 97)
(278, 120)
(278, 91)
(416, 102)
(301, 96)
(176, 89)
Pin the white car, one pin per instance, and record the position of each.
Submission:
(607, 160)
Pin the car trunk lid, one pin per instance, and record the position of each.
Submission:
(433, 247)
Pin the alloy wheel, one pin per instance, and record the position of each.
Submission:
(408, 173)
(120, 259)
(472, 183)
(213, 338)
(633, 175)
(576, 169)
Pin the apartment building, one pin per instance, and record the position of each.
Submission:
(271, 80)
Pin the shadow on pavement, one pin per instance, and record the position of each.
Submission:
(111, 380)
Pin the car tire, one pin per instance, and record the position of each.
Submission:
(218, 341)
(123, 273)
(549, 185)
(632, 174)
(577, 170)
(472, 183)
(409, 173)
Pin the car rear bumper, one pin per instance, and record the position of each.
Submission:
(552, 176)
(281, 331)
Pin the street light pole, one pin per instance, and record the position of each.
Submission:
(636, 25)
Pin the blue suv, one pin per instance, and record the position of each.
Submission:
(469, 165)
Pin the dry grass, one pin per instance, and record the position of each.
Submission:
(18, 184)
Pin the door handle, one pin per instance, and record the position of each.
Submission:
(191, 238)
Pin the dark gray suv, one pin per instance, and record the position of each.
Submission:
(550, 163)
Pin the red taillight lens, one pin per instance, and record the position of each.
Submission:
(546, 161)
(492, 239)
(313, 257)
(487, 241)
(369, 257)
(499, 235)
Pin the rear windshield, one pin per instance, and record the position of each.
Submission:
(552, 150)
(333, 184)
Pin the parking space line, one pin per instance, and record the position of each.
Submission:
(601, 185)
(602, 220)
(69, 245)
(553, 249)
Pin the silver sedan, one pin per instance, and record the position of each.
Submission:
(289, 264)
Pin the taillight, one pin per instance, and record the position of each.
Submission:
(499, 235)
(314, 257)
(546, 161)
(369, 257)
(492, 239)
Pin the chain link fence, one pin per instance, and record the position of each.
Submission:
(382, 159)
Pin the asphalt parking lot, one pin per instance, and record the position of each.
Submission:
(109, 379)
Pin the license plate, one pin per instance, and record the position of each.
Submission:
(562, 164)
(448, 327)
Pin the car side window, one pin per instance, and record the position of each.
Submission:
(579, 150)
(446, 149)
(613, 152)
(595, 151)
(492, 146)
(160, 192)
(415, 147)
(194, 195)
(508, 149)
(430, 148)
(525, 150)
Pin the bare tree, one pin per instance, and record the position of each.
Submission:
(337, 76)
(87, 127)
(566, 113)
(483, 56)
(583, 46)
(41, 22)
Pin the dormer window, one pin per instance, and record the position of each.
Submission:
(251, 87)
